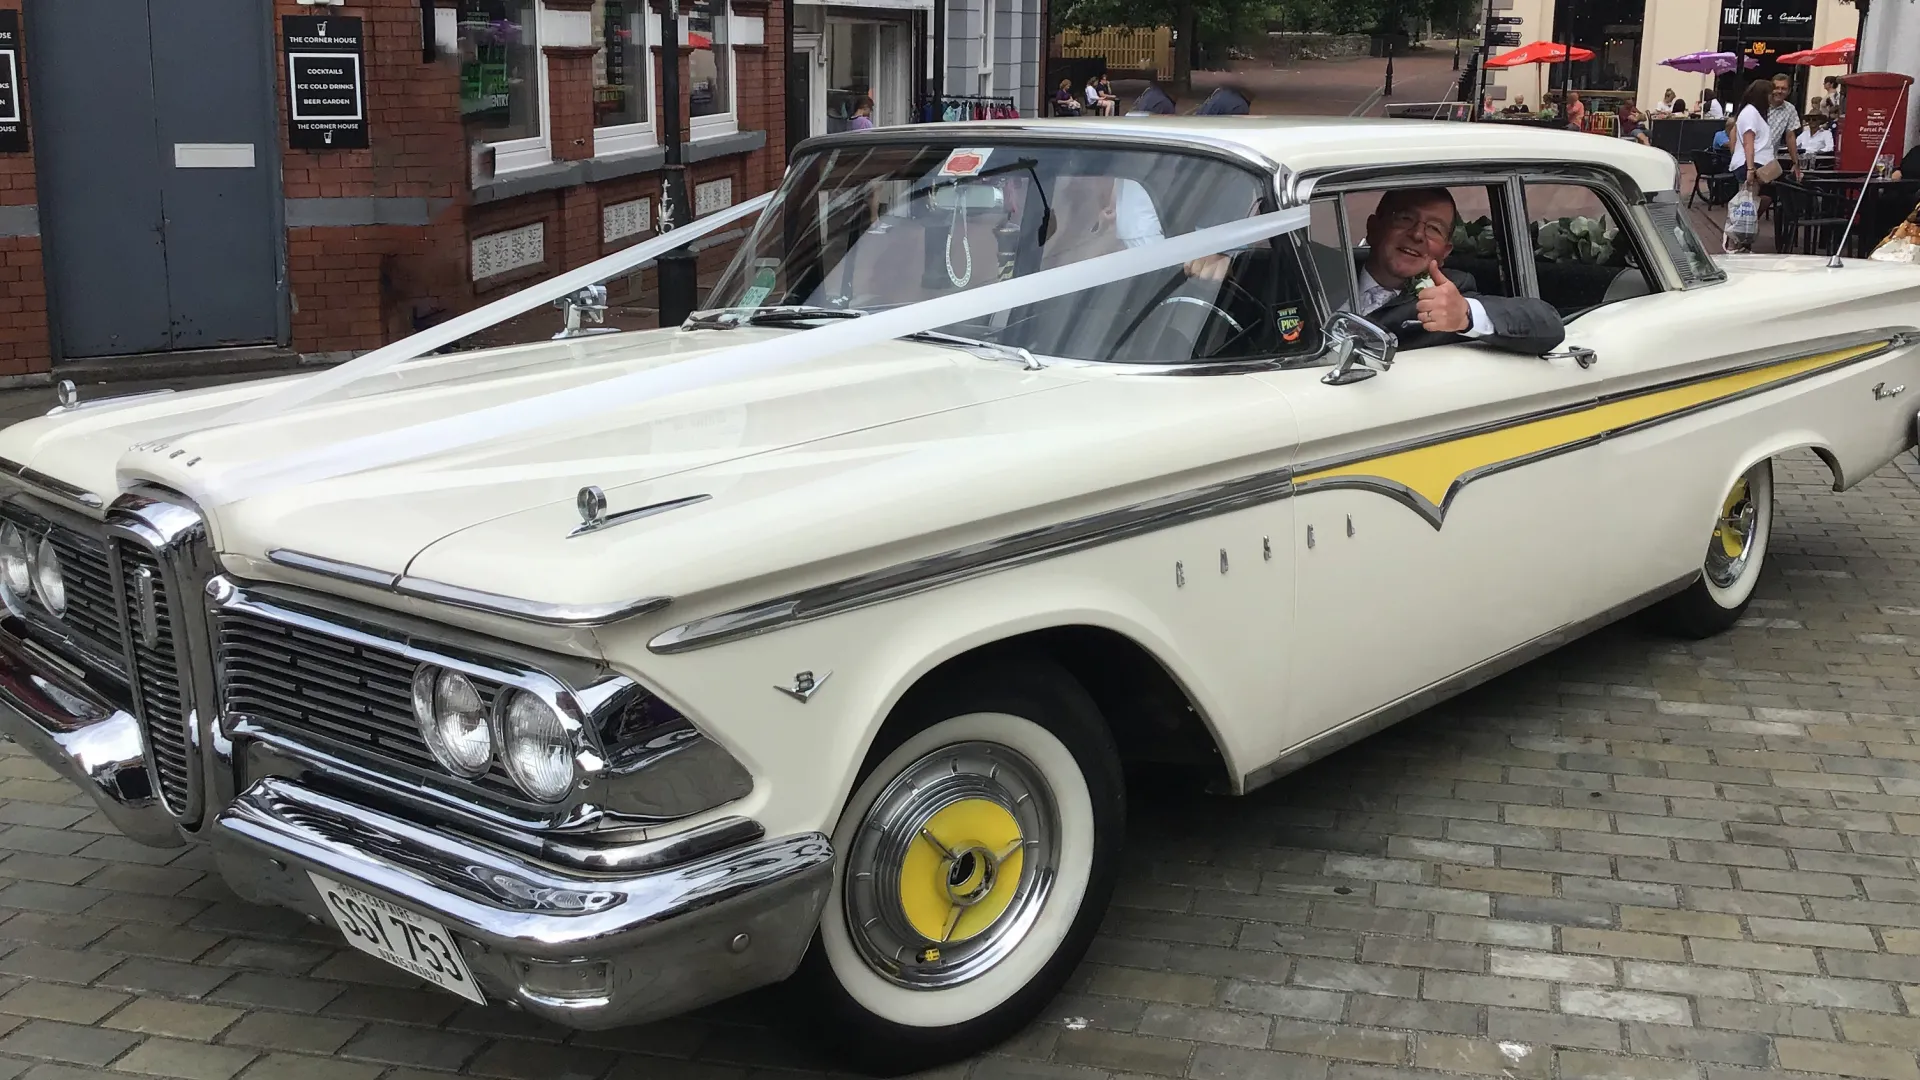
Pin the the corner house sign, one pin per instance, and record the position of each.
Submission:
(326, 99)
(13, 113)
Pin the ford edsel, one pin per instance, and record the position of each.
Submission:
(814, 640)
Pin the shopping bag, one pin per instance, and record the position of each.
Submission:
(1743, 222)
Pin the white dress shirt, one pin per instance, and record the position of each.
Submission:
(1374, 296)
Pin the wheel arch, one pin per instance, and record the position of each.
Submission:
(1155, 721)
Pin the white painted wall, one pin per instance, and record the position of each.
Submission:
(1891, 42)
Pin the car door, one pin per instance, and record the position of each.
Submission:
(1441, 519)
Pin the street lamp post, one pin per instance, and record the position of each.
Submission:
(678, 270)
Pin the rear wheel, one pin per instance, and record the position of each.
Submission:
(975, 859)
(1736, 553)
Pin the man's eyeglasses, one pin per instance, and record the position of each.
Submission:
(1426, 229)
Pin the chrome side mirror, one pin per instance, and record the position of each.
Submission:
(1355, 344)
(587, 303)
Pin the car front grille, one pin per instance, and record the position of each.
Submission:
(90, 631)
(156, 673)
(323, 690)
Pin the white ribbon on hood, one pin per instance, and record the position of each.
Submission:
(414, 346)
(570, 405)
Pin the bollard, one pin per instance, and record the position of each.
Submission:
(1388, 92)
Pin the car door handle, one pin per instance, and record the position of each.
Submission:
(1586, 358)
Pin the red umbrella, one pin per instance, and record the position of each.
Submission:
(1540, 52)
(1834, 54)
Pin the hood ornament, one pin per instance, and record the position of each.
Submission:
(804, 686)
(593, 507)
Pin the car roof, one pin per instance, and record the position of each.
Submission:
(1309, 144)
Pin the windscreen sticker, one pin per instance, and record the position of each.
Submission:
(1290, 323)
(966, 162)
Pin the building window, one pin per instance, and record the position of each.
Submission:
(502, 99)
(851, 51)
(1612, 30)
(710, 68)
(622, 77)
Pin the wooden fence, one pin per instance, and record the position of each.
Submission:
(1124, 50)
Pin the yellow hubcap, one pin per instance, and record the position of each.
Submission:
(1731, 533)
(962, 872)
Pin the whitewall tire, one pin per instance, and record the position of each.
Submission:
(973, 863)
(1735, 555)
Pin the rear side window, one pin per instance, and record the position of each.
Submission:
(1683, 244)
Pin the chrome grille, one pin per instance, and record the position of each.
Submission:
(319, 688)
(156, 673)
(91, 629)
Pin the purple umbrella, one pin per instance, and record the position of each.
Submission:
(1707, 63)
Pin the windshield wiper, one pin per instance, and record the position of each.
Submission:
(992, 350)
(729, 318)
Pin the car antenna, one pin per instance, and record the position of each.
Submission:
(1833, 261)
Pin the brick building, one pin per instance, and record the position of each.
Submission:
(233, 183)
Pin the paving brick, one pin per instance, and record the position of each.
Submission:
(177, 1019)
(1832, 993)
(1684, 923)
(1550, 910)
(1623, 944)
(1119, 1050)
(1798, 932)
(1846, 1060)
(1492, 932)
(62, 965)
(1626, 1005)
(1234, 1063)
(1400, 1013)
(1486, 990)
(186, 1060)
(54, 1001)
(51, 1040)
(1495, 880)
(1879, 1028)
(1796, 1020)
(1360, 978)
(1291, 1001)
(1154, 985)
(1339, 1041)
(1428, 898)
(1697, 1044)
(1552, 967)
(1403, 952)
(1483, 1057)
(1746, 954)
(1577, 1065)
(277, 992)
(396, 1045)
(517, 1059)
(1646, 893)
(1552, 1029)
(1684, 979)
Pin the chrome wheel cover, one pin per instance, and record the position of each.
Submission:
(951, 866)
(1731, 547)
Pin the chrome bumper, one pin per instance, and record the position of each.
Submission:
(51, 708)
(673, 939)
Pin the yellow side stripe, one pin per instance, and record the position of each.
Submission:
(1432, 471)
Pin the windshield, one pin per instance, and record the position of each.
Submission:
(862, 228)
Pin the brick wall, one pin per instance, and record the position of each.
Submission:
(360, 286)
(23, 288)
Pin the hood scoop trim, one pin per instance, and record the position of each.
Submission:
(513, 607)
(593, 510)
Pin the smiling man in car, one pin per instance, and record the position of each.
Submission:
(1405, 289)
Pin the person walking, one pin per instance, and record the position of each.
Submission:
(1753, 162)
(862, 115)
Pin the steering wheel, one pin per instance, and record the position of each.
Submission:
(1212, 312)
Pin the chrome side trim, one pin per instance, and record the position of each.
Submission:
(1352, 731)
(975, 560)
(60, 489)
(533, 611)
(1060, 133)
(635, 514)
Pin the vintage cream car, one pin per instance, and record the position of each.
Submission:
(816, 638)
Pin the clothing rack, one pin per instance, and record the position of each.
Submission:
(952, 108)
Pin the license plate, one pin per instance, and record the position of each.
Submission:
(416, 945)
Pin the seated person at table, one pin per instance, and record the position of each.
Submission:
(1816, 137)
(1909, 165)
(1723, 139)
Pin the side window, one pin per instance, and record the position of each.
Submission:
(1327, 247)
(1582, 255)
(1474, 244)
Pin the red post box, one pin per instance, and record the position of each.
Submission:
(1876, 109)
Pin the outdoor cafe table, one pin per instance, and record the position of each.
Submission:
(1888, 202)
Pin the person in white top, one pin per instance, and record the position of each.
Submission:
(1752, 137)
(1712, 109)
(1816, 137)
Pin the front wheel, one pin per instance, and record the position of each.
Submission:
(1736, 552)
(976, 858)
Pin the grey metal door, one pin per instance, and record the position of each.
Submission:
(155, 138)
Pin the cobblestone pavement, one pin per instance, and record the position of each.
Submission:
(1635, 858)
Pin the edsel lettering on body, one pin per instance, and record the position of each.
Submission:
(622, 672)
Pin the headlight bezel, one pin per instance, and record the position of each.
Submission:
(21, 590)
(428, 680)
(45, 563)
(567, 734)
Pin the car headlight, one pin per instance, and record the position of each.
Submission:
(15, 573)
(48, 582)
(536, 746)
(453, 720)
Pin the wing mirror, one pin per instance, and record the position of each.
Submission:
(1356, 345)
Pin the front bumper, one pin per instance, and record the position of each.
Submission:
(55, 710)
(671, 938)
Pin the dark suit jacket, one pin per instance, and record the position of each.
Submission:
(1521, 324)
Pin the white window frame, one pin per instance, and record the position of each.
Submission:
(726, 123)
(511, 155)
(985, 68)
(627, 138)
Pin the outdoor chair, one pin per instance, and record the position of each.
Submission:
(1711, 178)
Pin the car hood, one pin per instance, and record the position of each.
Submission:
(382, 518)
